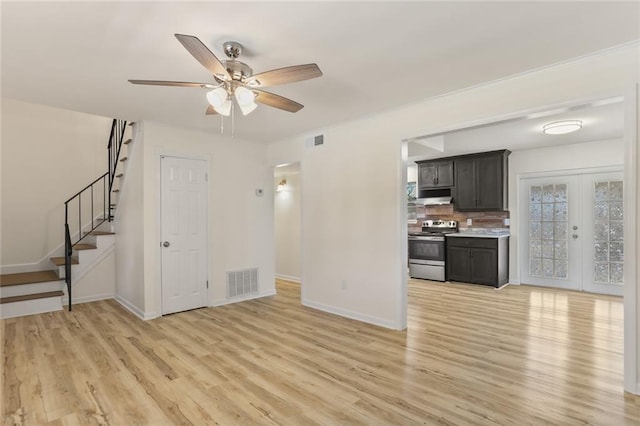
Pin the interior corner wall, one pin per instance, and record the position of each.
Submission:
(552, 159)
(128, 225)
(241, 222)
(287, 228)
(354, 268)
(48, 154)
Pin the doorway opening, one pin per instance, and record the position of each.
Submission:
(616, 151)
(287, 222)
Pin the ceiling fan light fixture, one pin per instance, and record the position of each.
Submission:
(562, 127)
(248, 108)
(244, 96)
(225, 108)
(217, 97)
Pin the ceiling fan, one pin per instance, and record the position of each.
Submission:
(235, 79)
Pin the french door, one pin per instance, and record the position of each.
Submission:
(571, 232)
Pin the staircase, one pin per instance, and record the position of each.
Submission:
(87, 235)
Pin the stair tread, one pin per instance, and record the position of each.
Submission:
(28, 278)
(123, 159)
(59, 261)
(84, 247)
(101, 233)
(127, 142)
(31, 296)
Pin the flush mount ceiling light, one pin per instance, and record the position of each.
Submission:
(562, 127)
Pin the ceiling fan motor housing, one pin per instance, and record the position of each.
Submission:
(238, 70)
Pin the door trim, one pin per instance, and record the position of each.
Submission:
(631, 221)
(157, 291)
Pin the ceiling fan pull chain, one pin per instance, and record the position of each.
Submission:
(233, 124)
(221, 124)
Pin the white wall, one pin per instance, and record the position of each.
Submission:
(412, 172)
(48, 155)
(128, 226)
(359, 170)
(565, 157)
(287, 227)
(241, 223)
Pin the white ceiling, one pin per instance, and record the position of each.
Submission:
(374, 55)
(601, 121)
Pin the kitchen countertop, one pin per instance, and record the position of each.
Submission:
(482, 233)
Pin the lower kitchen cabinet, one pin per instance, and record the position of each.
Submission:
(478, 260)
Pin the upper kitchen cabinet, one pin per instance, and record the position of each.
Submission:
(435, 174)
(481, 181)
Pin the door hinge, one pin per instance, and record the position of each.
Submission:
(207, 283)
(206, 177)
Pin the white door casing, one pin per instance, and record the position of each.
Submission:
(183, 213)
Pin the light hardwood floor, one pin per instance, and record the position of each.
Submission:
(471, 355)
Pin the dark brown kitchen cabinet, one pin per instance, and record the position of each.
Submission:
(478, 260)
(435, 174)
(481, 181)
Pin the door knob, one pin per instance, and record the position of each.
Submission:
(575, 236)
(166, 244)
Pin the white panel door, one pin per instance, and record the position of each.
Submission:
(184, 233)
(602, 242)
(550, 219)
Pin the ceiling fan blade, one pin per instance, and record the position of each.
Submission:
(202, 53)
(173, 83)
(277, 101)
(211, 110)
(284, 75)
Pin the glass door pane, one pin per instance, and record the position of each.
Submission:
(603, 239)
(548, 211)
(608, 245)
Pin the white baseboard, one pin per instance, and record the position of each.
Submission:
(130, 307)
(221, 302)
(288, 278)
(514, 281)
(85, 299)
(352, 315)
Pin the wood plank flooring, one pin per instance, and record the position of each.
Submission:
(471, 356)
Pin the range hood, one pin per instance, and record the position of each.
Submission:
(434, 197)
(435, 201)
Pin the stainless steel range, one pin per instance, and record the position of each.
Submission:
(427, 249)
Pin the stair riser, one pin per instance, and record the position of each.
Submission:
(24, 289)
(30, 307)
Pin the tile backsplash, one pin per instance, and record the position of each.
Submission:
(491, 219)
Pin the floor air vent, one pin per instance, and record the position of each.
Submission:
(240, 283)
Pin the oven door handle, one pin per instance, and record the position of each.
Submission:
(412, 238)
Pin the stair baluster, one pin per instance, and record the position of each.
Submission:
(114, 145)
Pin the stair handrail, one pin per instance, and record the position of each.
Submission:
(68, 251)
(116, 139)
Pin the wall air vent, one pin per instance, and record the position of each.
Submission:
(313, 141)
(241, 283)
